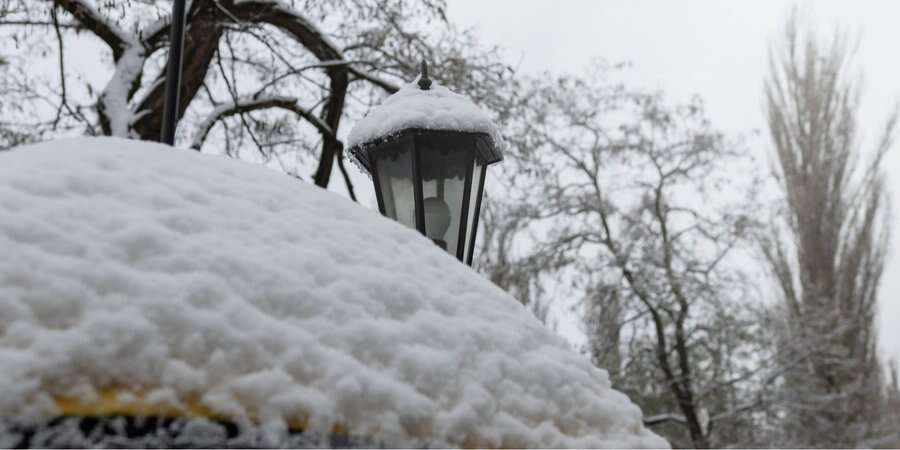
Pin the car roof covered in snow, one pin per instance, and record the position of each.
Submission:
(196, 281)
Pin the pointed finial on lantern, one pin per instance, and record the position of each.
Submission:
(424, 81)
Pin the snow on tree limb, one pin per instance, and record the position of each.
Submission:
(152, 35)
(657, 419)
(254, 104)
(114, 100)
(129, 105)
(129, 55)
(120, 119)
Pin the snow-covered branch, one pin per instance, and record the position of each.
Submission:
(116, 114)
(129, 56)
(662, 418)
(152, 35)
(130, 105)
(254, 104)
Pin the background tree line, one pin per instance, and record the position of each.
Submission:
(733, 301)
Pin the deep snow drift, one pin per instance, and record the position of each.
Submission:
(173, 275)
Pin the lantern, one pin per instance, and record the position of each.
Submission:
(427, 150)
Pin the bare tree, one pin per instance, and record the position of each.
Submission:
(827, 251)
(522, 274)
(629, 202)
(271, 80)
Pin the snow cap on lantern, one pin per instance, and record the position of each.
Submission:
(427, 149)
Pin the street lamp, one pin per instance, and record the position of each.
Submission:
(427, 150)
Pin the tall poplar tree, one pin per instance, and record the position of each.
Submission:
(827, 250)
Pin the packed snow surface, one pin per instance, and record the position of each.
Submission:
(437, 108)
(175, 275)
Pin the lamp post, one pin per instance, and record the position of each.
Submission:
(173, 74)
(427, 150)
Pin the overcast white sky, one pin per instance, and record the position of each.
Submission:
(713, 48)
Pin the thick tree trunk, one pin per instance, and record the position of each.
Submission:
(332, 148)
(202, 35)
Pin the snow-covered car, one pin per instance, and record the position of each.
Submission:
(151, 296)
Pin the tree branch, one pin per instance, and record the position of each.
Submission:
(663, 418)
(296, 25)
(389, 87)
(255, 104)
(84, 13)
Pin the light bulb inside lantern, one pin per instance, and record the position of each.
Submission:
(437, 218)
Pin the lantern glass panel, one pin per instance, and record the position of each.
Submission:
(395, 174)
(474, 194)
(443, 174)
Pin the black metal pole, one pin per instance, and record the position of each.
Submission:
(173, 74)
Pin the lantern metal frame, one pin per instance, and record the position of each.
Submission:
(478, 146)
